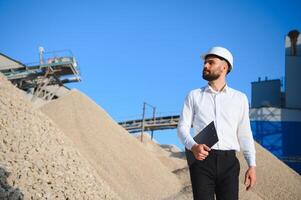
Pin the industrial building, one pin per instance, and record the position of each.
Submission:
(275, 112)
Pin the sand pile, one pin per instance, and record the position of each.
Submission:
(37, 161)
(275, 180)
(169, 155)
(122, 161)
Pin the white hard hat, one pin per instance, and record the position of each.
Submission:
(220, 52)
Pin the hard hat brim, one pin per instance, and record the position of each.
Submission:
(203, 56)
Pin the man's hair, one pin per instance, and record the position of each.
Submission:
(221, 58)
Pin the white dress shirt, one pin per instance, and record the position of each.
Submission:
(229, 109)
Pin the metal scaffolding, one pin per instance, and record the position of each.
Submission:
(54, 68)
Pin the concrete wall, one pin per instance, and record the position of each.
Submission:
(293, 81)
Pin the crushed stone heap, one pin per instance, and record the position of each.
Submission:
(121, 160)
(37, 161)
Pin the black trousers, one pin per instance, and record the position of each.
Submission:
(218, 174)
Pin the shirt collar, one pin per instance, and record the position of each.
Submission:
(208, 88)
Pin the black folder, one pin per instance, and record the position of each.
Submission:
(207, 136)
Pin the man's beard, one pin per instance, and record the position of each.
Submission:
(210, 76)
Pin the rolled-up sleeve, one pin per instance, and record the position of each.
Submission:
(185, 122)
(245, 136)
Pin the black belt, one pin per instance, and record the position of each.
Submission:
(222, 152)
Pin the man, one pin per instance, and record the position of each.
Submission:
(216, 170)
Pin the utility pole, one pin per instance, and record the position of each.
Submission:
(154, 121)
(142, 124)
(143, 119)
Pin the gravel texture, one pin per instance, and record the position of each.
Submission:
(37, 161)
(131, 171)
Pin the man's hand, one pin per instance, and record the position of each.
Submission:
(200, 151)
(250, 178)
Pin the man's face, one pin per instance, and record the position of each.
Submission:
(213, 68)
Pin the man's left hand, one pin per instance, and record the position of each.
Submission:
(250, 178)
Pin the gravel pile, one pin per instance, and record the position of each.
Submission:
(121, 160)
(37, 161)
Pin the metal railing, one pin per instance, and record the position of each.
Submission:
(151, 124)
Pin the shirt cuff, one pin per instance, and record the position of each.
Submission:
(251, 162)
(190, 144)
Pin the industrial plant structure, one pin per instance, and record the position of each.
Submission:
(275, 112)
(44, 80)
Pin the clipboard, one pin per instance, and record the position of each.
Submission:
(206, 136)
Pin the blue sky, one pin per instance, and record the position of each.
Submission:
(135, 51)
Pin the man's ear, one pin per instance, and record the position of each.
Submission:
(225, 66)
